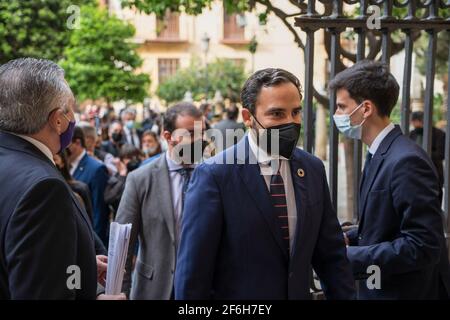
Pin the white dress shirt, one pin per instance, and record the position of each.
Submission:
(264, 161)
(176, 184)
(380, 137)
(42, 147)
(132, 137)
(76, 162)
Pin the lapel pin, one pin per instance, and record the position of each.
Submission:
(301, 173)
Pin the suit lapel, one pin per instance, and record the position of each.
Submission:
(368, 181)
(161, 176)
(301, 196)
(250, 173)
(80, 168)
(257, 188)
(375, 166)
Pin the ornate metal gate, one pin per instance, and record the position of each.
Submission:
(419, 15)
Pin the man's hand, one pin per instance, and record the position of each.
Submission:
(121, 167)
(121, 296)
(347, 242)
(102, 266)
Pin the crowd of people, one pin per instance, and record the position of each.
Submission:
(248, 221)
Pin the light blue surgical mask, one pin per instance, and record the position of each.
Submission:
(344, 125)
(129, 124)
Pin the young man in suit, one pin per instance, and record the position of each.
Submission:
(95, 174)
(259, 215)
(153, 202)
(400, 221)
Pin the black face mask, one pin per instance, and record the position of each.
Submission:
(116, 136)
(288, 138)
(191, 156)
(133, 164)
(419, 131)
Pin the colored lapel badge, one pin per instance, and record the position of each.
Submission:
(301, 173)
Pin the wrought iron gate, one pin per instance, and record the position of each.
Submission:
(421, 15)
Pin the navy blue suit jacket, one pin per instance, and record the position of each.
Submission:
(231, 247)
(95, 175)
(400, 228)
(43, 228)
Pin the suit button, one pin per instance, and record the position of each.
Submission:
(359, 237)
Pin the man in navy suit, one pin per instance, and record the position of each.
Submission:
(400, 221)
(45, 235)
(258, 215)
(95, 174)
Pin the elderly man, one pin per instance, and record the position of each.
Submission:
(132, 135)
(46, 237)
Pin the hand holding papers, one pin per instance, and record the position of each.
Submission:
(119, 237)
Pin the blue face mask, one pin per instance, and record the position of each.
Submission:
(344, 125)
(130, 124)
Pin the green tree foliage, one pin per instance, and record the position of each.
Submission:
(193, 7)
(100, 61)
(35, 28)
(222, 75)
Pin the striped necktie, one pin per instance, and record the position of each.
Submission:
(278, 195)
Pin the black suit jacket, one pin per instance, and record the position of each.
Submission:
(437, 148)
(43, 229)
(400, 229)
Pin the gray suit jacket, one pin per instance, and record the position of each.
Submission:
(147, 204)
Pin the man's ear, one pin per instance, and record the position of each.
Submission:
(55, 122)
(247, 117)
(369, 108)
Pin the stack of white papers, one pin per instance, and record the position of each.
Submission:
(119, 237)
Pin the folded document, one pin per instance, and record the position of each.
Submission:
(119, 237)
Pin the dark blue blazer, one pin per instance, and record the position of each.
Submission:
(400, 228)
(43, 228)
(231, 246)
(95, 175)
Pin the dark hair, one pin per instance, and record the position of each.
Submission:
(66, 166)
(204, 106)
(417, 116)
(129, 151)
(78, 134)
(269, 77)
(232, 112)
(369, 80)
(179, 109)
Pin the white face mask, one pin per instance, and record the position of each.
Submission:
(344, 125)
(150, 150)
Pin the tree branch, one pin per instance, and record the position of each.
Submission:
(323, 100)
(283, 17)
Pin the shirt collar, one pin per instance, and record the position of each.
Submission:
(42, 147)
(76, 162)
(380, 137)
(261, 155)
